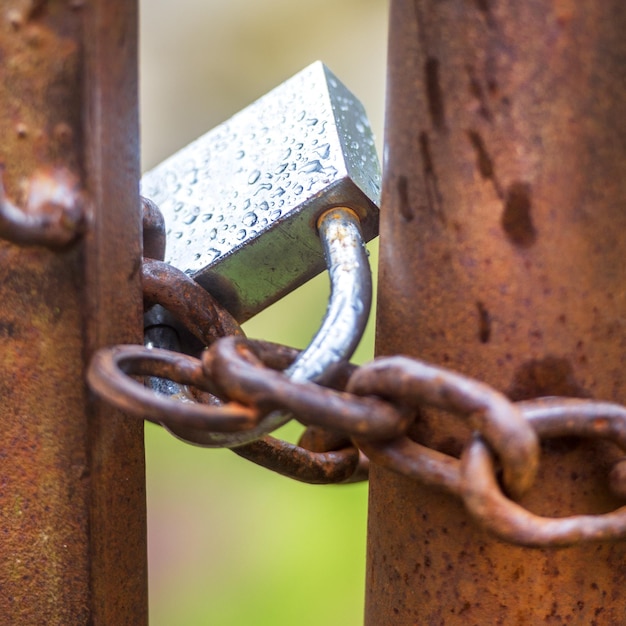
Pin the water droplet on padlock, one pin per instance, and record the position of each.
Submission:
(193, 216)
(250, 219)
(190, 177)
(323, 151)
(311, 167)
(254, 176)
(212, 254)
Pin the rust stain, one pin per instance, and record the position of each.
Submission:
(433, 194)
(517, 220)
(434, 93)
(549, 376)
(484, 323)
(404, 201)
(484, 162)
(477, 92)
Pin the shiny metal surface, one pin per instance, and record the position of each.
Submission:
(237, 200)
(350, 299)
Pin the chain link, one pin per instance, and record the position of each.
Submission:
(361, 414)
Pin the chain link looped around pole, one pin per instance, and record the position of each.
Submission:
(362, 414)
(249, 376)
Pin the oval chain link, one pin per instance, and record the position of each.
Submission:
(550, 418)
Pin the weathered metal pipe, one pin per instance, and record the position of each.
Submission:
(72, 494)
(502, 238)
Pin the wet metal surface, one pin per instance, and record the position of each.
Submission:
(241, 203)
(502, 238)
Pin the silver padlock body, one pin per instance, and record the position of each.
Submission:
(241, 203)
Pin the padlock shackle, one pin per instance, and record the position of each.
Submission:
(350, 298)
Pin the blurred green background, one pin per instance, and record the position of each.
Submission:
(230, 543)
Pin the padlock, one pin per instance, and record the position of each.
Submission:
(254, 208)
(241, 204)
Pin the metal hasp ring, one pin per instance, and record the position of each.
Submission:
(339, 334)
(549, 417)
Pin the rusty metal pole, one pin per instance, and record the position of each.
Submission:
(72, 499)
(502, 255)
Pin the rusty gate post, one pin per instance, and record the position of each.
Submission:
(72, 499)
(502, 255)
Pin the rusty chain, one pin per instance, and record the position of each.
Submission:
(364, 413)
